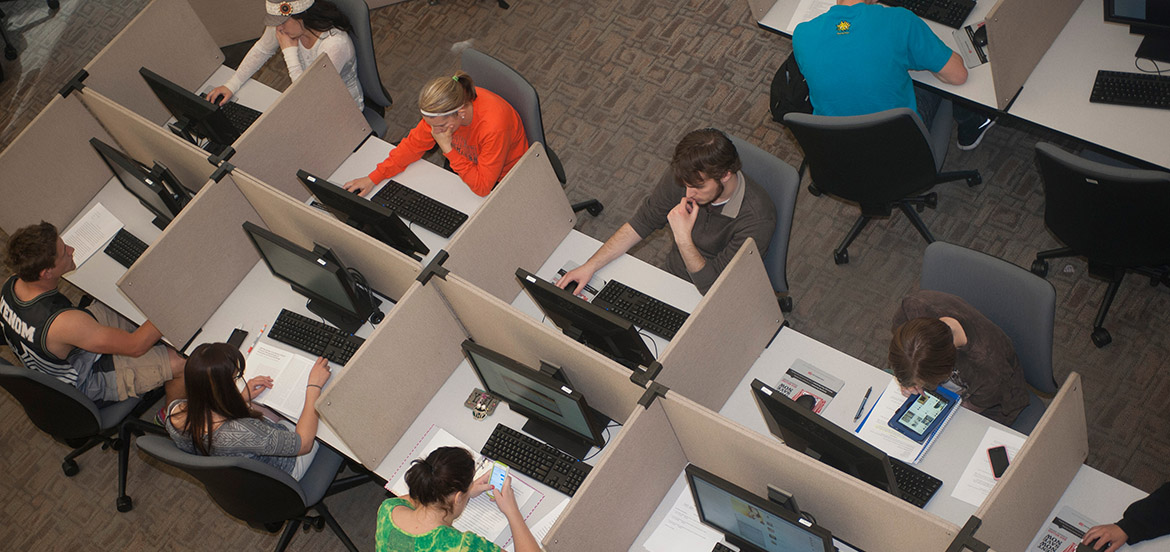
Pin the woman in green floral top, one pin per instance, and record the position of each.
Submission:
(440, 487)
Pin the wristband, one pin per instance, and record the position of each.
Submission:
(313, 385)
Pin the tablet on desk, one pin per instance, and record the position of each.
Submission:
(921, 415)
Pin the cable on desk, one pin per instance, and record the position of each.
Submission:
(605, 437)
(1157, 70)
(646, 337)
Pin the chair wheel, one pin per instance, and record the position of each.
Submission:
(931, 200)
(785, 304)
(1040, 268)
(117, 444)
(54, 5)
(814, 190)
(70, 468)
(1101, 337)
(841, 257)
(10, 53)
(125, 504)
(975, 180)
(595, 209)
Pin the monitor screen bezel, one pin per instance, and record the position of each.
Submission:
(1142, 26)
(374, 219)
(186, 106)
(355, 308)
(595, 438)
(694, 472)
(112, 156)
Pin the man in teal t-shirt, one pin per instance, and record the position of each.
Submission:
(857, 57)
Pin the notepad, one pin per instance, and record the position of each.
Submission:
(875, 428)
(91, 232)
(290, 375)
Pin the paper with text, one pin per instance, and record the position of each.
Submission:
(541, 528)
(682, 530)
(91, 232)
(876, 430)
(807, 10)
(977, 479)
(289, 373)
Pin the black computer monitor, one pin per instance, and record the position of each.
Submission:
(155, 187)
(557, 413)
(806, 431)
(1146, 17)
(604, 331)
(195, 116)
(750, 522)
(365, 215)
(318, 275)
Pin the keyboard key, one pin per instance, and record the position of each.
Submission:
(420, 209)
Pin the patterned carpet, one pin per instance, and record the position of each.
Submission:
(620, 82)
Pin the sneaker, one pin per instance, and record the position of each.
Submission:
(160, 417)
(970, 135)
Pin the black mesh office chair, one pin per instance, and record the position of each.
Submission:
(378, 100)
(782, 183)
(497, 76)
(879, 161)
(1114, 217)
(261, 495)
(1020, 303)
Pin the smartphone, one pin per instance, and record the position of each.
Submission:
(999, 460)
(499, 474)
(237, 338)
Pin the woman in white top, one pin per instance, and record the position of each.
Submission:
(302, 30)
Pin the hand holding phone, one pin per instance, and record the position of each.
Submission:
(999, 460)
(499, 474)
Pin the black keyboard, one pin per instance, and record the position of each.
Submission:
(314, 337)
(125, 248)
(646, 312)
(1136, 89)
(241, 117)
(915, 485)
(951, 13)
(535, 459)
(420, 209)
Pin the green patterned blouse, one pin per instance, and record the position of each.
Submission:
(389, 538)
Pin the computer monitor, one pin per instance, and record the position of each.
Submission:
(155, 188)
(365, 215)
(557, 413)
(604, 331)
(750, 522)
(1146, 17)
(806, 431)
(318, 275)
(195, 116)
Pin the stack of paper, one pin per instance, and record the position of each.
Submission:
(290, 374)
(875, 428)
(91, 232)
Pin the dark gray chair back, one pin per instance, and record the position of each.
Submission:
(377, 98)
(54, 406)
(782, 183)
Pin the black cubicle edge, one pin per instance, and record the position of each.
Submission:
(223, 170)
(434, 268)
(654, 391)
(783, 325)
(966, 540)
(643, 376)
(74, 83)
(223, 155)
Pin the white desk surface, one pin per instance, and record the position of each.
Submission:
(978, 88)
(1103, 499)
(423, 176)
(578, 247)
(1056, 94)
(252, 94)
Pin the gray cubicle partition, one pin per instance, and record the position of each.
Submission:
(725, 334)
(1018, 505)
(50, 170)
(647, 456)
(230, 21)
(167, 38)
(314, 125)
(519, 225)
(1019, 33)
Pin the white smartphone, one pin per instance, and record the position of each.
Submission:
(499, 474)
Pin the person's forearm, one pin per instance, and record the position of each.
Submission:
(691, 257)
(307, 424)
(616, 246)
(521, 534)
(145, 337)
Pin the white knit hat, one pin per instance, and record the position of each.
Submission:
(280, 10)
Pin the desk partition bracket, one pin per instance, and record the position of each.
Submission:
(222, 156)
(654, 391)
(966, 540)
(224, 169)
(74, 83)
(643, 376)
(435, 268)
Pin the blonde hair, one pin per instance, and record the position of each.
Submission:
(443, 94)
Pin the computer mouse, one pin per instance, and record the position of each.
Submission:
(355, 191)
(807, 401)
(377, 317)
(981, 36)
(571, 287)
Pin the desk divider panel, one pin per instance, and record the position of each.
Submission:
(167, 38)
(725, 334)
(1019, 33)
(147, 142)
(1018, 505)
(230, 21)
(50, 170)
(314, 125)
(389, 381)
(642, 463)
(499, 326)
(196, 263)
(385, 268)
(760, 8)
(523, 220)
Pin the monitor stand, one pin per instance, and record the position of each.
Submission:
(344, 321)
(555, 436)
(1155, 47)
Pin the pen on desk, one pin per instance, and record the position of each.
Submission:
(862, 407)
(261, 334)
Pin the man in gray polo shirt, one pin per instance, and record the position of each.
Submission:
(712, 208)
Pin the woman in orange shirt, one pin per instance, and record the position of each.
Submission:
(480, 134)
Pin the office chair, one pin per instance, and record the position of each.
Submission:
(1114, 217)
(261, 495)
(782, 183)
(65, 413)
(378, 100)
(493, 74)
(10, 52)
(1020, 303)
(879, 161)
